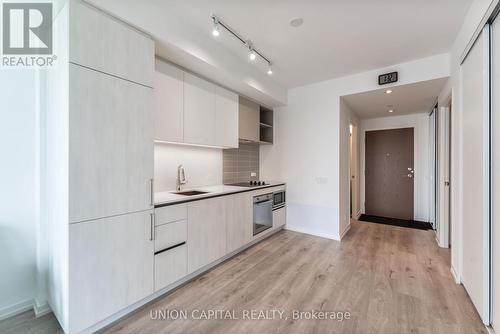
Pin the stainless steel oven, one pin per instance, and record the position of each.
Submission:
(262, 213)
(279, 199)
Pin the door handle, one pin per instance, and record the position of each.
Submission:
(151, 194)
(410, 176)
(152, 227)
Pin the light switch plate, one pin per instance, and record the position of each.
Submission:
(253, 174)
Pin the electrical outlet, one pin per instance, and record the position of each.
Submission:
(252, 174)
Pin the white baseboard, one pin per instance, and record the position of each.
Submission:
(18, 308)
(455, 275)
(317, 234)
(357, 215)
(41, 308)
(345, 231)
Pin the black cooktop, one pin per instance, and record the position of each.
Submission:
(250, 184)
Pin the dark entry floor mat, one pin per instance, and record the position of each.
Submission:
(396, 222)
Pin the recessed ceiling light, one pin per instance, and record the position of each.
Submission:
(296, 22)
(389, 91)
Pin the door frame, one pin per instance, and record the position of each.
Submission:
(443, 177)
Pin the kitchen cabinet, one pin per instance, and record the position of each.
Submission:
(98, 41)
(239, 224)
(170, 266)
(191, 110)
(169, 235)
(249, 117)
(206, 232)
(110, 267)
(226, 118)
(168, 92)
(110, 145)
(279, 218)
(199, 111)
(171, 213)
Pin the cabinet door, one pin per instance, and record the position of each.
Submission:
(110, 267)
(226, 118)
(249, 116)
(239, 220)
(101, 42)
(279, 218)
(110, 145)
(199, 111)
(168, 94)
(206, 232)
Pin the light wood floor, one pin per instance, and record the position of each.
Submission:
(390, 279)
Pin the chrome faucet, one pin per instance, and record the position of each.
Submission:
(181, 177)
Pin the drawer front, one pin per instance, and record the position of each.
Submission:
(168, 214)
(170, 266)
(169, 235)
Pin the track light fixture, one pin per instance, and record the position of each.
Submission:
(252, 52)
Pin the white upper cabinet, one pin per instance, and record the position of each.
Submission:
(226, 118)
(168, 91)
(110, 145)
(192, 110)
(103, 43)
(199, 111)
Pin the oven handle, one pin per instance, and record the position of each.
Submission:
(264, 201)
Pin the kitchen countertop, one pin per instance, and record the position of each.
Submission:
(165, 198)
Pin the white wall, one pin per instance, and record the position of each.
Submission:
(18, 190)
(306, 150)
(422, 185)
(203, 166)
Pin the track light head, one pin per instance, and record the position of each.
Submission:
(215, 30)
(270, 69)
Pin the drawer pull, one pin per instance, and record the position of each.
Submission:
(169, 248)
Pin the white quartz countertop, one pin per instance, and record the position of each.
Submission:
(169, 197)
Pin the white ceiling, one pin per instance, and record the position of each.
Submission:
(414, 98)
(338, 37)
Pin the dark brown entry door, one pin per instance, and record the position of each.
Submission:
(389, 173)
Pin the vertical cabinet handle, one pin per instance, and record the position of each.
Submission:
(152, 231)
(152, 193)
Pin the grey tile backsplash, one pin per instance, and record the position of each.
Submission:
(239, 163)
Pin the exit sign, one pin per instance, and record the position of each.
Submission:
(387, 78)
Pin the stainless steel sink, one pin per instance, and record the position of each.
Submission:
(190, 192)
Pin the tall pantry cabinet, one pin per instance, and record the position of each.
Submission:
(98, 172)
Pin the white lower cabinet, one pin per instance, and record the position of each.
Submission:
(206, 232)
(239, 214)
(170, 266)
(279, 218)
(110, 267)
(170, 252)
